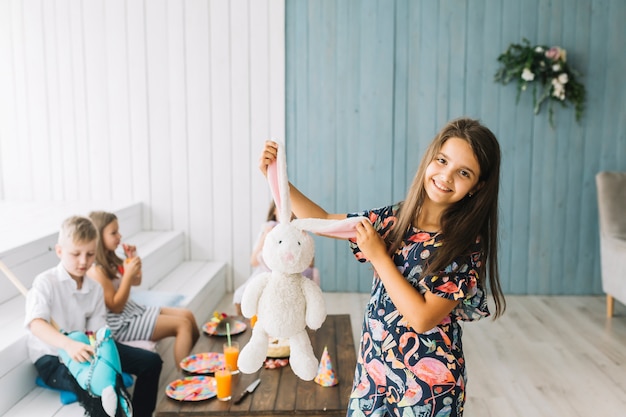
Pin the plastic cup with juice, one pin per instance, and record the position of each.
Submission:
(130, 252)
(231, 355)
(223, 382)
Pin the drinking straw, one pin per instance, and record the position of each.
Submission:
(228, 333)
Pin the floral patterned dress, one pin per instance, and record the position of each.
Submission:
(401, 372)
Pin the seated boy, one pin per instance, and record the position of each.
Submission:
(75, 303)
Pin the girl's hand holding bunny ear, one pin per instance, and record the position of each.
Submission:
(268, 156)
(369, 241)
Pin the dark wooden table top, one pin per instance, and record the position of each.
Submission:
(280, 391)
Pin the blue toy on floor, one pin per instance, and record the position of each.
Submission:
(68, 397)
(101, 378)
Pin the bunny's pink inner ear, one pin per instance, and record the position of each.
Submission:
(340, 229)
(272, 179)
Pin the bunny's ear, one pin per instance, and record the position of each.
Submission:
(279, 184)
(341, 229)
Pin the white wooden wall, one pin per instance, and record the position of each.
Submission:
(166, 102)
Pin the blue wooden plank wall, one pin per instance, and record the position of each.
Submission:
(369, 83)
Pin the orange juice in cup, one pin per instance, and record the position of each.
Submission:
(131, 253)
(223, 382)
(231, 355)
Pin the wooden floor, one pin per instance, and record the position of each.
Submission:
(546, 357)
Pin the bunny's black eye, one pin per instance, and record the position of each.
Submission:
(280, 241)
(298, 243)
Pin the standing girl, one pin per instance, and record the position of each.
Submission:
(127, 319)
(432, 255)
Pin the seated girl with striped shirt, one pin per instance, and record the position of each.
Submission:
(129, 320)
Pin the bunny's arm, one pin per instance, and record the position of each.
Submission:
(315, 304)
(252, 293)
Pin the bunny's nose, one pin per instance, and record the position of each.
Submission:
(288, 257)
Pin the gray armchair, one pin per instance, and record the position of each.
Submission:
(612, 217)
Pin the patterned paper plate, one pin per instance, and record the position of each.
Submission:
(192, 388)
(202, 363)
(236, 327)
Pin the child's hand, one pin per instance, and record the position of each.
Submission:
(132, 266)
(268, 156)
(129, 250)
(78, 351)
(369, 241)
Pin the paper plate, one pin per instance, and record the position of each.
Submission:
(202, 363)
(236, 327)
(192, 388)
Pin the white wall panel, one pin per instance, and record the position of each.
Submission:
(8, 112)
(221, 132)
(78, 86)
(25, 162)
(245, 219)
(166, 102)
(199, 128)
(179, 146)
(35, 87)
(117, 99)
(138, 97)
(61, 101)
(96, 85)
(158, 110)
(51, 74)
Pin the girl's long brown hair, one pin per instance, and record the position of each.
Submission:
(106, 259)
(471, 217)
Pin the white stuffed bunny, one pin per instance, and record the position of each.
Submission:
(285, 301)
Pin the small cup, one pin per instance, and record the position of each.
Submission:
(223, 381)
(231, 355)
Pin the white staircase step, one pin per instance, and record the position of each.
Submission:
(11, 319)
(43, 402)
(17, 382)
(160, 253)
(25, 262)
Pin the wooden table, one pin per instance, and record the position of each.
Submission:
(280, 392)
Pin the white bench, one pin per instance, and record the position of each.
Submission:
(202, 284)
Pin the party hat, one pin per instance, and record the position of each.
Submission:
(325, 372)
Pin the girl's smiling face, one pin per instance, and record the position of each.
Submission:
(452, 174)
(111, 236)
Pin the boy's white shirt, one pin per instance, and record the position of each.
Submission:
(54, 295)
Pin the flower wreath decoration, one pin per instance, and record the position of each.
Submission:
(548, 67)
